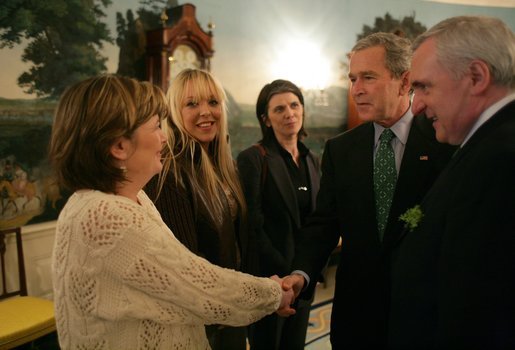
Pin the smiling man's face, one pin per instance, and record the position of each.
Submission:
(440, 96)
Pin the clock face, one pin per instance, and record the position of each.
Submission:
(183, 57)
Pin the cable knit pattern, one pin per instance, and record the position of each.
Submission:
(123, 281)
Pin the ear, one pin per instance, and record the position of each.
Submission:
(405, 83)
(266, 120)
(480, 76)
(120, 148)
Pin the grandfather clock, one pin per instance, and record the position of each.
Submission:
(181, 43)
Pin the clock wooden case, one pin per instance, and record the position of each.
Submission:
(180, 44)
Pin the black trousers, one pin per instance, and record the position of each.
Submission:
(281, 333)
(226, 338)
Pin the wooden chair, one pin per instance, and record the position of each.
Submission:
(22, 318)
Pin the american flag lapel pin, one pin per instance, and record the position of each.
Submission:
(424, 158)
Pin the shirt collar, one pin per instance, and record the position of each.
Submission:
(303, 150)
(488, 113)
(400, 128)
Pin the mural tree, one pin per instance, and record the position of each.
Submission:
(64, 41)
(406, 27)
(132, 38)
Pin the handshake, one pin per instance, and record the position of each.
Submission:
(291, 286)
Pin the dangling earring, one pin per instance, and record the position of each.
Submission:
(123, 168)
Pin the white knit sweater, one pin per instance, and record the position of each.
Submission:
(123, 281)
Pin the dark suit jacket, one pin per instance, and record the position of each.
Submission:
(346, 208)
(453, 282)
(273, 211)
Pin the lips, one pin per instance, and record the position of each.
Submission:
(205, 124)
(363, 105)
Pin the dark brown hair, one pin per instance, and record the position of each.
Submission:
(90, 117)
(278, 86)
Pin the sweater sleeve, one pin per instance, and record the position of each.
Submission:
(131, 265)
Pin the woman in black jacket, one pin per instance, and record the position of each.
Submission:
(280, 180)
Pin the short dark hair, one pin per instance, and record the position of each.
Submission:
(278, 86)
(397, 51)
(90, 117)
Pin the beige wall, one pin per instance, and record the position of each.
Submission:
(38, 242)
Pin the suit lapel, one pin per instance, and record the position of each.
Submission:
(497, 119)
(413, 174)
(277, 169)
(359, 169)
(314, 179)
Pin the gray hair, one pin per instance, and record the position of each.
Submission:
(397, 51)
(460, 40)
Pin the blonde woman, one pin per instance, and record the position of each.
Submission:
(121, 279)
(200, 198)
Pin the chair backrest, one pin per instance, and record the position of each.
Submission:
(22, 290)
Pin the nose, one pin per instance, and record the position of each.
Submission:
(417, 106)
(357, 88)
(204, 109)
(162, 135)
(288, 112)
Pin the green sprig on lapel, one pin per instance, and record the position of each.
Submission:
(412, 217)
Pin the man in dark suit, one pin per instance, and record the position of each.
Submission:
(346, 203)
(453, 277)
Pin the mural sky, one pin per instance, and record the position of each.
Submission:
(257, 41)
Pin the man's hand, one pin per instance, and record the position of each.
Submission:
(287, 300)
(295, 282)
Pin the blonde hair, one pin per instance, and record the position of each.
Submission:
(209, 169)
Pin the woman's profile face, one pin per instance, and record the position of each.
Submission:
(147, 144)
(201, 117)
(285, 115)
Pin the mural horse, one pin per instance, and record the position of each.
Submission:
(10, 191)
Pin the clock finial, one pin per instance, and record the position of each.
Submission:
(211, 25)
(164, 17)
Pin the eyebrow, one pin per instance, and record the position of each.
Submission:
(366, 72)
(417, 84)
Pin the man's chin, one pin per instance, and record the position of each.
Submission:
(367, 117)
(441, 136)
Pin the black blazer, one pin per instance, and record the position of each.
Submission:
(273, 214)
(346, 209)
(453, 279)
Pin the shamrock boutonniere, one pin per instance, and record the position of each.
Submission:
(412, 217)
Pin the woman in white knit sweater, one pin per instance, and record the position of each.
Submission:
(121, 278)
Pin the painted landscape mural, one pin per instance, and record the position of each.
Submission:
(47, 45)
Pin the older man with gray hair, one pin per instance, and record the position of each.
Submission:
(453, 279)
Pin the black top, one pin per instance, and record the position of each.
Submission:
(299, 177)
